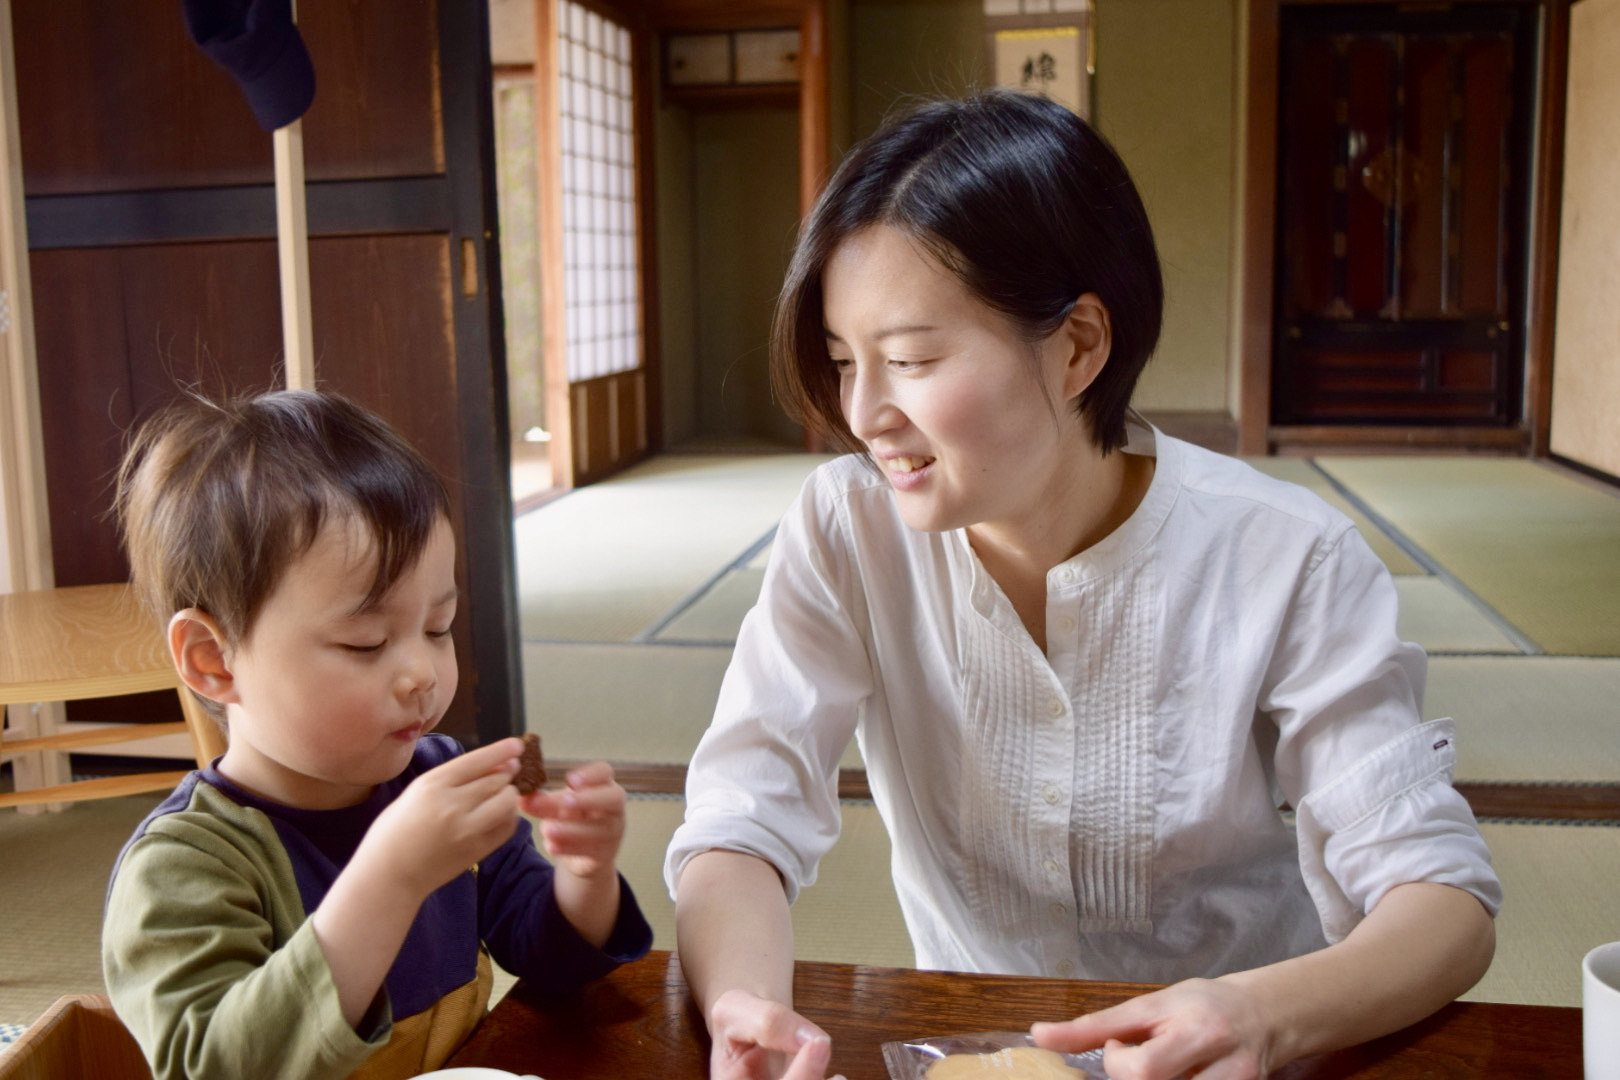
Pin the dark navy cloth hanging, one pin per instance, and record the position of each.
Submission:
(257, 42)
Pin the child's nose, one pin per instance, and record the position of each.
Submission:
(417, 674)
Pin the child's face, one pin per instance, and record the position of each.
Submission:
(326, 701)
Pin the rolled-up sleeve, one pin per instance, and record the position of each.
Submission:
(1371, 786)
(764, 778)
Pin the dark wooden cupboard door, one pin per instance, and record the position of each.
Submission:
(151, 220)
(1402, 206)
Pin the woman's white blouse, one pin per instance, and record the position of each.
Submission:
(1108, 809)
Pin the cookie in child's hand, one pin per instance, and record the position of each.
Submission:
(531, 766)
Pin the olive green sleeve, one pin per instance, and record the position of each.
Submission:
(213, 967)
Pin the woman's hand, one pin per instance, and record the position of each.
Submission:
(1207, 1027)
(1422, 945)
(756, 1039)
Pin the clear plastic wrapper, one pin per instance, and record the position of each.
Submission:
(992, 1055)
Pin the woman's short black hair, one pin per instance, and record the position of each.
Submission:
(1017, 196)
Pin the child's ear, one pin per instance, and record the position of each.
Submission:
(1090, 331)
(198, 647)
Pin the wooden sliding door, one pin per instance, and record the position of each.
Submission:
(151, 221)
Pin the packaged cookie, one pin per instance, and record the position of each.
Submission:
(987, 1055)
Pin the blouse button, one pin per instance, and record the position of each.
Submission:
(1065, 575)
(1066, 625)
(1055, 707)
(1051, 794)
(1065, 967)
(1059, 909)
(1052, 866)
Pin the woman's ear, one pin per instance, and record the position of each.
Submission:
(1089, 331)
(199, 650)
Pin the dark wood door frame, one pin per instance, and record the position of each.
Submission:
(1255, 293)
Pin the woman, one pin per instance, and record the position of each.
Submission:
(1085, 662)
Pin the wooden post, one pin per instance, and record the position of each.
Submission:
(25, 523)
(292, 246)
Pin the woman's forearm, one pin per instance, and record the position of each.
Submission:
(732, 928)
(1419, 948)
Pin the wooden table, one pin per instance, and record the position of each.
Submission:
(639, 1022)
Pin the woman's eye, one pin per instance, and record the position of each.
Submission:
(439, 633)
(842, 363)
(905, 365)
(357, 647)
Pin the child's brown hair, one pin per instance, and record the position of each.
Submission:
(216, 499)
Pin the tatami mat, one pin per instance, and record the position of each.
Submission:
(1444, 620)
(52, 887)
(1542, 548)
(1530, 719)
(1559, 884)
(638, 703)
(850, 915)
(607, 562)
(718, 613)
(645, 703)
(1300, 471)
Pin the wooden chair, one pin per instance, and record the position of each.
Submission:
(91, 641)
(79, 1036)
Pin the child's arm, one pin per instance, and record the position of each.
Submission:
(444, 822)
(582, 828)
(1420, 947)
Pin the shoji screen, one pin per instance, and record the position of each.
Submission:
(587, 88)
(598, 184)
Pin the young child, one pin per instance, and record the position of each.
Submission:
(318, 902)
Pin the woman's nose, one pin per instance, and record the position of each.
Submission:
(868, 408)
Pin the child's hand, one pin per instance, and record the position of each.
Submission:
(582, 826)
(446, 820)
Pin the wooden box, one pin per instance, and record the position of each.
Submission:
(79, 1036)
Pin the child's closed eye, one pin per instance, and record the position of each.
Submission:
(359, 647)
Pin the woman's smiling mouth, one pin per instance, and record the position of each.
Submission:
(907, 472)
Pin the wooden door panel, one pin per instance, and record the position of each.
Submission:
(115, 97)
(185, 314)
(85, 401)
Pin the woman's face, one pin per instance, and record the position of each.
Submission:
(942, 389)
